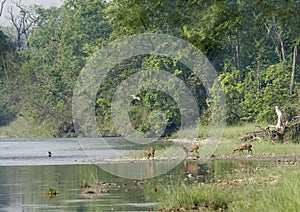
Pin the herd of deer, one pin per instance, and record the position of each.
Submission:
(195, 147)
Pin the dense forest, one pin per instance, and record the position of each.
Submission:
(253, 46)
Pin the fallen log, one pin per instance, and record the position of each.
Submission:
(279, 132)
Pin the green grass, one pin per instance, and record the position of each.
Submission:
(192, 132)
(230, 133)
(264, 189)
(232, 137)
(235, 133)
(263, 148)
(280, 192)
(184, 197)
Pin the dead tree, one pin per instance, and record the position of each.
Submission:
(2, 6)
(276, 36)
(279, 119)
(23, 23)
(280, 132)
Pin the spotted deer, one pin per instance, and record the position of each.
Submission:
(191, 148)
(151, 152)
(243, 147)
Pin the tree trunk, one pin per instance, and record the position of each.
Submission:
(292, 85)
(279, 121)
(279, 37)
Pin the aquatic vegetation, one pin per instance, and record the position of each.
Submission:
(262, 189)
(52, 192)
(279, 193)
(189, 197)
(92, 190)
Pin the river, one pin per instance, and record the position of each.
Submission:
(27, 175)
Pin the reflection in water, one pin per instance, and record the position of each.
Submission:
(25, 188)
(142, 169)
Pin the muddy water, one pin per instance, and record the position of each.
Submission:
(31, 181)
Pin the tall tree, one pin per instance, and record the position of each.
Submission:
(62, 41)
(8, 64)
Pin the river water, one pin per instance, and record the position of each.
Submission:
(27, 175)
(64, 151)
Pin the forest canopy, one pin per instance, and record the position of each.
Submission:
(253, 46)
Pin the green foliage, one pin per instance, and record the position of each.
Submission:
(263, 91)
(61, 43)
(232, 87)
(8, 61)
(250, 45)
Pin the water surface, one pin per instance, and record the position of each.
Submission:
(27, 174)
(64, 151)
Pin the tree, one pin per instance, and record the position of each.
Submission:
(2, 6)
(23, 23)
(283, 19)
(233, 90)
(61, 43)
(252, 44)
(292, 84)
(7, 97)
(7, 67)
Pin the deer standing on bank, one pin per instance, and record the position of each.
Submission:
(243, 147)
(151, 152)
(191, 148)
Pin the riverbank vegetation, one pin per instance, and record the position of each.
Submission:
(252, 45)
(260, 189)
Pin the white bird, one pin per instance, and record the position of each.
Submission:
(135, 97)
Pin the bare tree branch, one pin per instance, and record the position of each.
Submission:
(276, 35)
(17, 25)
(279, 37)
(23, 23)
(2, 6)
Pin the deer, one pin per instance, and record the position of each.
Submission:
(151, 152)
(191, 148)
(243, 147)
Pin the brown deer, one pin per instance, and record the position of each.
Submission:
(191, 148)
(243, 147)
(151, 152)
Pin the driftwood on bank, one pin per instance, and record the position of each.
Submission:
(281, 132)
